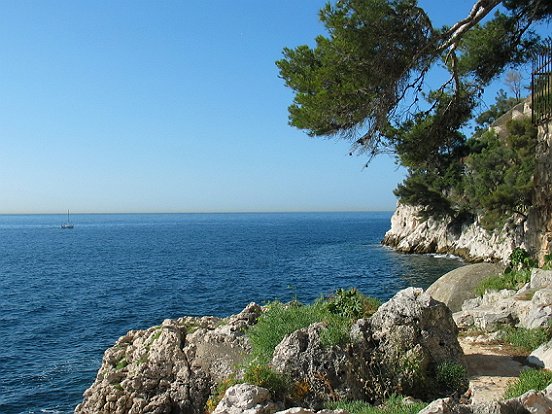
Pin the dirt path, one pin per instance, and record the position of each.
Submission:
(491, 368)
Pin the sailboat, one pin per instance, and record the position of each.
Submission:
(68, 224)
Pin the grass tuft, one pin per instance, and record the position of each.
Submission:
(337, 312)
(527, 340)
(277, 322)
(512, 280)
(394, 405)
(531, 379)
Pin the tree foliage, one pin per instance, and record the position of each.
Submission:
(499, 179)
(365, 81)
(367, 74)
(353, 79)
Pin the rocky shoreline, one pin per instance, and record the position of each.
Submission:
(179, 366)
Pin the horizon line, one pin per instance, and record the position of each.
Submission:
(199, 212)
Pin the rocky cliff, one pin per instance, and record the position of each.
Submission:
(467, 238)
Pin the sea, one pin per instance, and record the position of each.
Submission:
(68, 294)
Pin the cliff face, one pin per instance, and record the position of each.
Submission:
(410, 234)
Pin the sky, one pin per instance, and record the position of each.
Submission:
(169, 106)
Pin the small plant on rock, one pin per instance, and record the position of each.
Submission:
(520, 259)
(451, 376)
(219, 392)
(352, 304)
(547, 265)
(512, 280)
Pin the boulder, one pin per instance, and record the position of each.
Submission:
(542, 356)
(541, 278)
(323, 373)
(536, 402)
(246, 399)
(531, 402)
(413, 325)
(394, 351)
(458, 285)
(540, 310)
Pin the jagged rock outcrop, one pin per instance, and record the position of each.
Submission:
(409, 233)
(530, 307)
(397, 350)
(170, 368)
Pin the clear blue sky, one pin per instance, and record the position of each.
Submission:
(168, 106)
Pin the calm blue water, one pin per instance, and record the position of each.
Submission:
(67, 295)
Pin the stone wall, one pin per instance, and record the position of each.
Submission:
(540, 217)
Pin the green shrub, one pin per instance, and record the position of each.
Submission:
(520, 259)
(263, 376)
(513, 280)
(352, 304)
(531, 379)
(527, 339)
(394, 405)
(451, 376)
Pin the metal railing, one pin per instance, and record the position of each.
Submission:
(541, 84)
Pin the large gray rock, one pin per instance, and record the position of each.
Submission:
(540, 311)
(325, 372)
(170, 368)
(414, 334)
(458, 285)
(394, 351)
